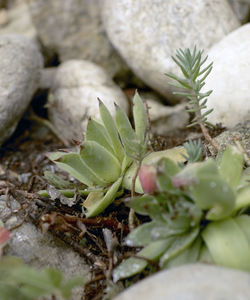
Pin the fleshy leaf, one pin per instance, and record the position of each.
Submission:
(105, 201)
(213, 193)
(110, 126)
(133, 266)
(179, 244)
(228, 244)
(231, 165)
(97, 132)
(140, 118)
(75, 166)
(100, 161)
(57, 181)
(242, 198)
(148, 232)
(244, 222)
(131, 143)
(189, 255)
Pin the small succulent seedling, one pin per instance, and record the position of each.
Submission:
(108, 159)
(190, 63)
(195, 213)
(194, 151)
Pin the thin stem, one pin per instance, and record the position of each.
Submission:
(199, 119)
(131, 217)
(208, 137)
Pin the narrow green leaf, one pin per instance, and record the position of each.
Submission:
(150, 232)
(57, 181)
(179, 244)
(110, 126)
(187, 256)
(140, 118)
(129, 139)
(75, 166)
(244, 222)
(104, 202)
(133, 266)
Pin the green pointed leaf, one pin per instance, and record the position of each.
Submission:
(104, 202)
(179, 244)
(75, 166)
(140, 118)
(57, 181)
(150, 232)
(110, 126)
(97, 132)
(129, 139)
(187, 256)
(133, 266)
(205, 256)
(242, 198)
(228, 244)
(231, 165)
(244, 222)
(100, 161)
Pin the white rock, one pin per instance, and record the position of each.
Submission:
(230, 79)
(165, 119)
(38, 251)
(192, 282)
(73, 30)
(73, 99)
(19, 22)
(147, 33)
(20, 66)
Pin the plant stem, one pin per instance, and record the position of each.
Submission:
(208, 137)
(198, 114)
(131, 217)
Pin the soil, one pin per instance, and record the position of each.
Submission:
(22, 164)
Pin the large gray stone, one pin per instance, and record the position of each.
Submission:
(73, 29)
(40, 251)
(18, 21)
(73, 98)
(230, 79)
(147, 33)
(192, 282)
(241, 9)
(20, 66)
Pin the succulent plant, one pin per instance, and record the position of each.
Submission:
(107, 160)
(195, 213)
